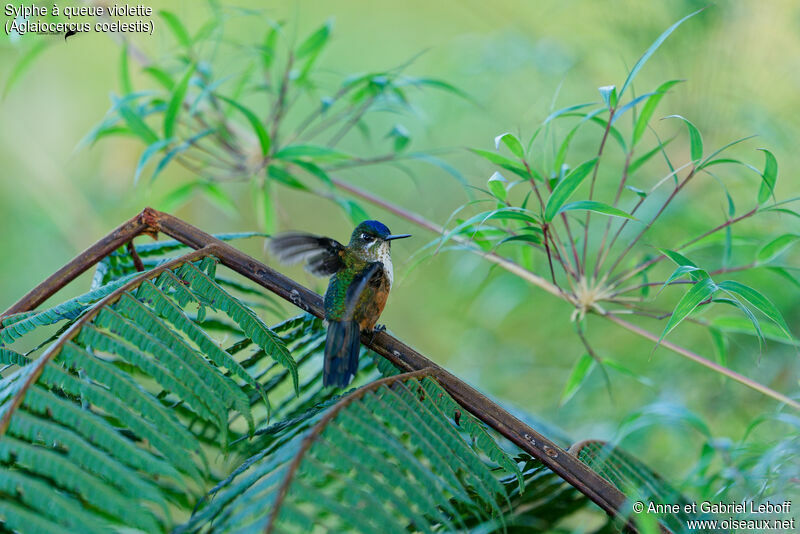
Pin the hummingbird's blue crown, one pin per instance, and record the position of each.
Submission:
(373, 227)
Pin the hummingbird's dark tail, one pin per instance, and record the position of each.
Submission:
(341, 353)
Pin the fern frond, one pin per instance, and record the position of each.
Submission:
(249, 322)
(55, 466)
(41, 499)
(635, 479)
(68, 310)
(105, 417)
(383, 458)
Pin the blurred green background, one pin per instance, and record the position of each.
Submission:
(516, 60)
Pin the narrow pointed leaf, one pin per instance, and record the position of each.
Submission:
(769, 176)
(649, 109)
(701, 291)
(566, 187)
(650, 51)
(598, 207)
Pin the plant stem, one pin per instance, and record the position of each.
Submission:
(644, 265)
(706, 363)
(279, 108)
(634, 210)
(644, 230)
(601, 250)
(352, 122)
(594, 179)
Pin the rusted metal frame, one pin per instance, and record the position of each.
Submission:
(568, 467)
(37, 367)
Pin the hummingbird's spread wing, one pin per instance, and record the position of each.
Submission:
(323, 255)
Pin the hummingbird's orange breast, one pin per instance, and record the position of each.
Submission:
(371, 304)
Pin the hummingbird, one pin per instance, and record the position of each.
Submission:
(361, 277)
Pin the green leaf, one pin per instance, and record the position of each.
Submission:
(683, 261)
(700, 292)
(776, 247)
(176, 101)
(401, 137)
(261, 132)
(720, 345)
(732, 300)
(137, 124)
(217, 196)
(759, 301)
(161, 76)
(177, 197)
(306, 152)
(436, 84)
(285, 177)
(580, 372)
(268, 49)
(497, 185)
(603, 123)
(706, 162)
(124, 71)
(314, 42)
(523, 238)
(740, 325)
(609, 95)
(648, 109)
(639, 192)
(650, 51)
(176, 26)
(696, 273)
(442, 164)
(695, 139)
(512, 143)
(593, 205)
(168, 157)
(566, 187)
(24, 64)
(148, 154)
(474, 222)
(622, 369)
(769, 176)
(315, 171)
(561, 156)
(265, 208)
(354, 211)
(566, 110)
(503, 162)
(627, 107)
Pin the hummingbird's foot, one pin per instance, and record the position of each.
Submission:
(377, 330)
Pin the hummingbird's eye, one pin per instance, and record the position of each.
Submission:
(366, 237)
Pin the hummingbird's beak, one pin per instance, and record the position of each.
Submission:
(398, 236)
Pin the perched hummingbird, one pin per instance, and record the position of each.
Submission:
(361, 277)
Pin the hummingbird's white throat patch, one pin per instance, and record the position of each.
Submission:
(381, 251)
